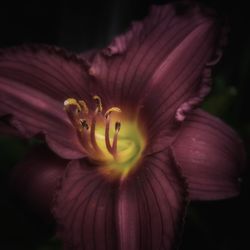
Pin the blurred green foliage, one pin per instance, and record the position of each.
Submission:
(51, 244)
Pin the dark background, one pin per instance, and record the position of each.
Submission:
(220, 225)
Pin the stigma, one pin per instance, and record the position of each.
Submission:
(107, 136)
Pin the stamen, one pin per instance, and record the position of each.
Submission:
(99, 142)
(84, 106)
(72, 101)
(113, 109)
(107, 140)
(107, 116)
(84, 139)
(92, 136)
(73, 109)
(98, 103)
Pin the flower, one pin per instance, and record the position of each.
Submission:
(125, 120)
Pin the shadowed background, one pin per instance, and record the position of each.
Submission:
(82, 25)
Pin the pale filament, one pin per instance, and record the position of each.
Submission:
(80, 116)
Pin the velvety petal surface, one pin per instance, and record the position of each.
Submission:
(34, 82)
(35, 179)
(51, 70)
(211, 157)
(151, 207)
(163, 58)
(141, 212)
(85, 209)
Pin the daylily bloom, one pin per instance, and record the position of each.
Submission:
(132, 149)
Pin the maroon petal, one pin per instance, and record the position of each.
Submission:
(85, 209)
(36, 177)
(211, 157)
(53, 71)
(162, 57)
(151, 206)
(34, 82)
(143, 212)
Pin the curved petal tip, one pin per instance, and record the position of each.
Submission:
(211, 156)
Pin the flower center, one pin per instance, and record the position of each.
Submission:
(109, 138)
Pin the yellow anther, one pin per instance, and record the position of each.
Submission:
(113, 109)
(98, 103)
(72, 101)
(84, 106)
